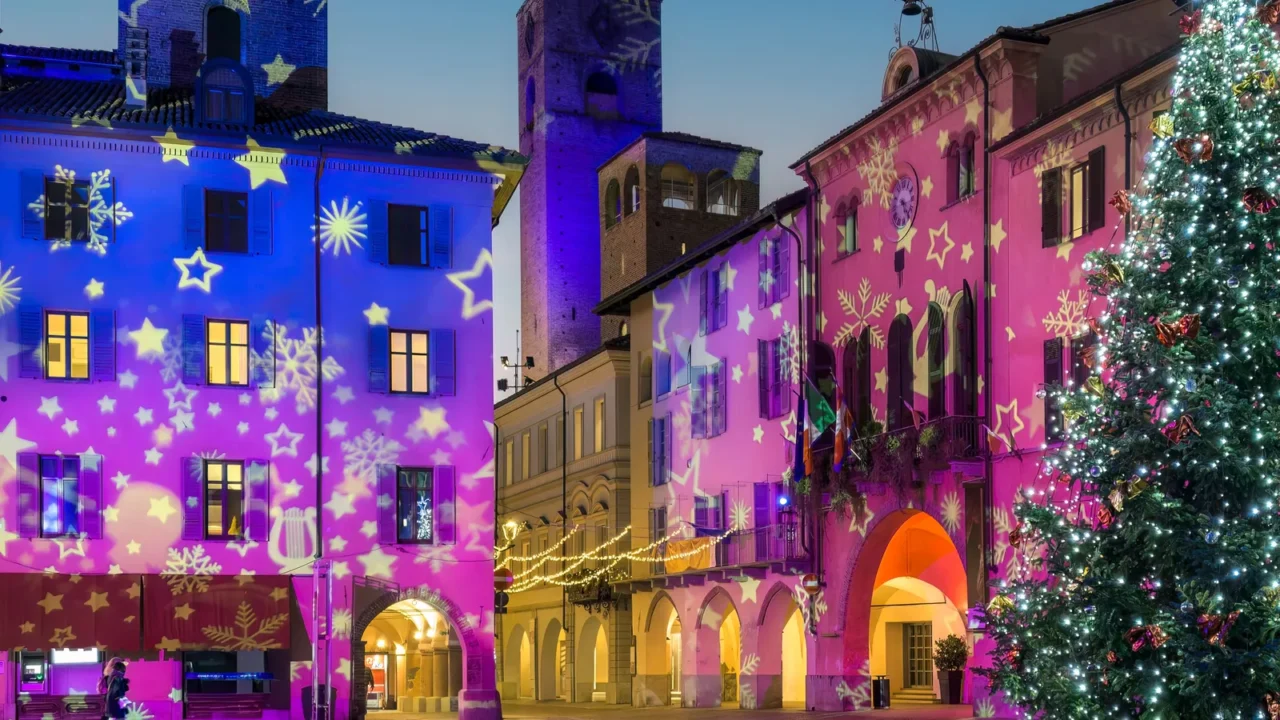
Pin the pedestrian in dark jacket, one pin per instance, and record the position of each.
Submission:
(117, 689)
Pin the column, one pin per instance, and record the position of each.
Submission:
(442, 673)
(426, 675)
(455, 673)
(412, 680)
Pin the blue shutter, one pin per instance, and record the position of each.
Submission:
(664, 373)
(378, 242)
(31, 190)
(722, 296)
(698, 403)
(655, 451)
(103, 331)
(762, 282)
(701, 514)
(264, 357)
(782, 379)
(258, 508)
(440, 234)
(193, 368)
(722, 398)
(443, 504)
(784, 267)
(386, 502)
(30, 333)
(193, 217)
(379, 359)
(443, 360)
(702, 300)
(667, 452)
(28, 495)
(90, 490)
(763, 377)
(192, 484)
(260, 218)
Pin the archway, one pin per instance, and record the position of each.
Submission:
(908, 589)
(718, 652)
(782, 662)
(659, 677)
(592, 662)
(552, 678)
(459, 669)
(517, 665)
(412, 659)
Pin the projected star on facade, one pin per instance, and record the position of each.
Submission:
(471, 308)
(173, 147)
(278, 71)
(343, 226)
(263, 163)
(205, 281)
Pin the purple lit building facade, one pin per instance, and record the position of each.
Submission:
(178, 441)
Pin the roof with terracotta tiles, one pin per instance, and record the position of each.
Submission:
(71, 55)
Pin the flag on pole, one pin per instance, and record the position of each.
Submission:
(801, 451)
(821, 416)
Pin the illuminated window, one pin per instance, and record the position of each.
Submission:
(224, 499)
(414, 511)
(409, 235)
(1072, 200)
(60, 495)
(599, 426)
(66, 346)
(577, 433)
(409, 362)
(849, 237)
(1078, 200)
(227, 350)
(226, 221)
(66, 209)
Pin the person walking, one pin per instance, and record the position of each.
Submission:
(104, 682)
(117, 689)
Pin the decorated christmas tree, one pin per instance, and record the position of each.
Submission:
(1157, 525)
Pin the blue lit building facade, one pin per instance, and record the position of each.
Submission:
(179, 442)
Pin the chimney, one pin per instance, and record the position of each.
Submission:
(135, 67)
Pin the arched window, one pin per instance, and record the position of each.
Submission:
(856, 379)
(530, 102)
(631, 191)
(904, 77)
(624, 330)
(900, 373)
(968, 173)
(222, 34)
(602, 95)
(965, 390)
(529, 27)
(937, 364)
(848, 244)
(723, 194)
(612, 205)
(646, 378)
(224, 93)
(677, 187)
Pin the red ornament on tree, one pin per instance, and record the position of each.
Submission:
(1269, 14)
(1273, 705)
(1190, 24)
(1121, 202)
(1258, 200)
(1194, 150)
(1215, 627)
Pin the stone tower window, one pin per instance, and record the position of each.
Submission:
(631, 190)
(602, 95)
(723, 194)
(612, 205)
(222, 34)
(529, 26)
(677, 187)
(530, 103)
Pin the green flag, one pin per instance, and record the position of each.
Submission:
(820, 413)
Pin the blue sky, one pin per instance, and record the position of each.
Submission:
(738, 70)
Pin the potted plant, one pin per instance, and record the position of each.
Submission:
(949, 657)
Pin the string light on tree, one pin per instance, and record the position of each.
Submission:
(1149, 586)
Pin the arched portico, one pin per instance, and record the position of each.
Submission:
(659, 678)
(518, 664)
(550, 662)
(591, 661)
(717, 656)
(781, 651)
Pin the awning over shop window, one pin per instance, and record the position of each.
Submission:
(216, 612)
(41, 612)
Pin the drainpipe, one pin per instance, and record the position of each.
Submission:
(564, 517)
(989, 396)
(806, 259)
(319, 552)
(1128, 147)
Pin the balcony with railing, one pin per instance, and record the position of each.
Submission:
(911, 455)
(717, 555)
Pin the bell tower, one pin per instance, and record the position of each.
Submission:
(590, 83)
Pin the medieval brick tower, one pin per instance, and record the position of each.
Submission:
(590, 84)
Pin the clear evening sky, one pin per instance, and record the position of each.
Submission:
(779, 75)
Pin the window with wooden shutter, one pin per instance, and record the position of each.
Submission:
(718, 392)
(379, 241)
(414, 505)
(258, 502)
(443, 362)
(782, 267)
(193, 349)
(28, 495)
(1083, 349)
(662, 375)
(261, 213)
(937, 364)
(1077, 200)
(441, 237)
(848, 233)
(703, 306)
(227, 352)
(900, 370)
(57, 496)
(698, 403)
(31, 199)
(1053, 431)
(386, 503)
(779, 393)
(965, 402)
(953, 173)
(1097, 190)
(967, 179)
(379, 359)
(763, 378)
(722, 296)
(264, 356)
(763, 275)
(667, 448)
(66, 346)
(1051, 207)
(30, 339)
(408, 235)
(90, 490)
(226, 221)
(103, 334)
(443, 497)
(225, 496)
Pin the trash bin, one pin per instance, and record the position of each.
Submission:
(880, 692)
